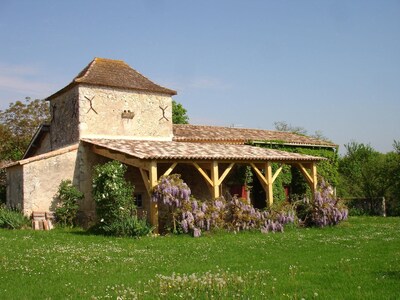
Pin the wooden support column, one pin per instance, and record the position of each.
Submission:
(153, 206)
(314, 177)
(214, 179)
(268, 176)
(267, 181)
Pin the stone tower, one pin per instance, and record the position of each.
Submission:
(109, 99)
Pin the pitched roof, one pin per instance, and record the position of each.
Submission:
(42, 156)
(197, 151)
(216, 134)
(114, 73)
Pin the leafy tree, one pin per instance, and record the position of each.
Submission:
(284, 126)
(367, 173)
(179, 113)
(18, 123)
(396, 146)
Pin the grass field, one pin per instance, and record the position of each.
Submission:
(360, 259)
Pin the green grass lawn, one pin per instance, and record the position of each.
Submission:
(360, 259)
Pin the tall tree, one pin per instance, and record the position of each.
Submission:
(18, 123)
(179, 113)
(284, 126)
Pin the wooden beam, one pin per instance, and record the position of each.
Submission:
(268, 175)
(260, 176)
(153, 206)
(214, 179)
(226, 172)
(146, 181)
(205, 175)
(120, 157)
(314, 177)
(277, 173)
(305, 173)
(170, 169)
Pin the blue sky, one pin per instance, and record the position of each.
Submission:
(332, 66)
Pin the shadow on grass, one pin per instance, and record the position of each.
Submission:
(390, 275)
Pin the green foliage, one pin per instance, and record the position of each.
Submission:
(67, 206)
(12, 218)
(284, 179)
(18, 123)
(360, 256)
(367, 173)
(327, 169)
(116, 211)
(179, 113)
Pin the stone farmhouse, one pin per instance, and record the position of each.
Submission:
(111, 112)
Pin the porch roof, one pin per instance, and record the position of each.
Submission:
(172, 150)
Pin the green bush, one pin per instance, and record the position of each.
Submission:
(115, 208)
(68, 197)
(12, 218)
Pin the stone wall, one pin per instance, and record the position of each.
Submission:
(64, 119)
(117, 113)
(41, 179)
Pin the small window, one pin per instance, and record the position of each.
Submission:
(138, 200)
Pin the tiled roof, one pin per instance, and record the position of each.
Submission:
(170, 150)
(43, 156)
(213, 134)
(114, 73)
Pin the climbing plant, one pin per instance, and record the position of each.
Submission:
(327, 169)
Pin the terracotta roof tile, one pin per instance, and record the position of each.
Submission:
(167, 150)
(199, 133)
(43, 156)
(114, 73)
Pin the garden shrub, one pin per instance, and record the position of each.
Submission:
(193, 216)
(67, 207)
(115, 207)
(325, 210)
(12, 218)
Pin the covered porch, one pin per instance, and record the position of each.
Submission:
(213, 162)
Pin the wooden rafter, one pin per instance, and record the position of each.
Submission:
(120, 157)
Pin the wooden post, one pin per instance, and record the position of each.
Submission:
(314, 179)
(268, 176)
(153, 206)
(214, 179)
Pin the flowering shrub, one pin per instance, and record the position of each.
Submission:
(173, 193)
(67, 206)
(325, 210)
(193, 216)
(115, 207)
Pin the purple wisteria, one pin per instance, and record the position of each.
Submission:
(325, 210)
